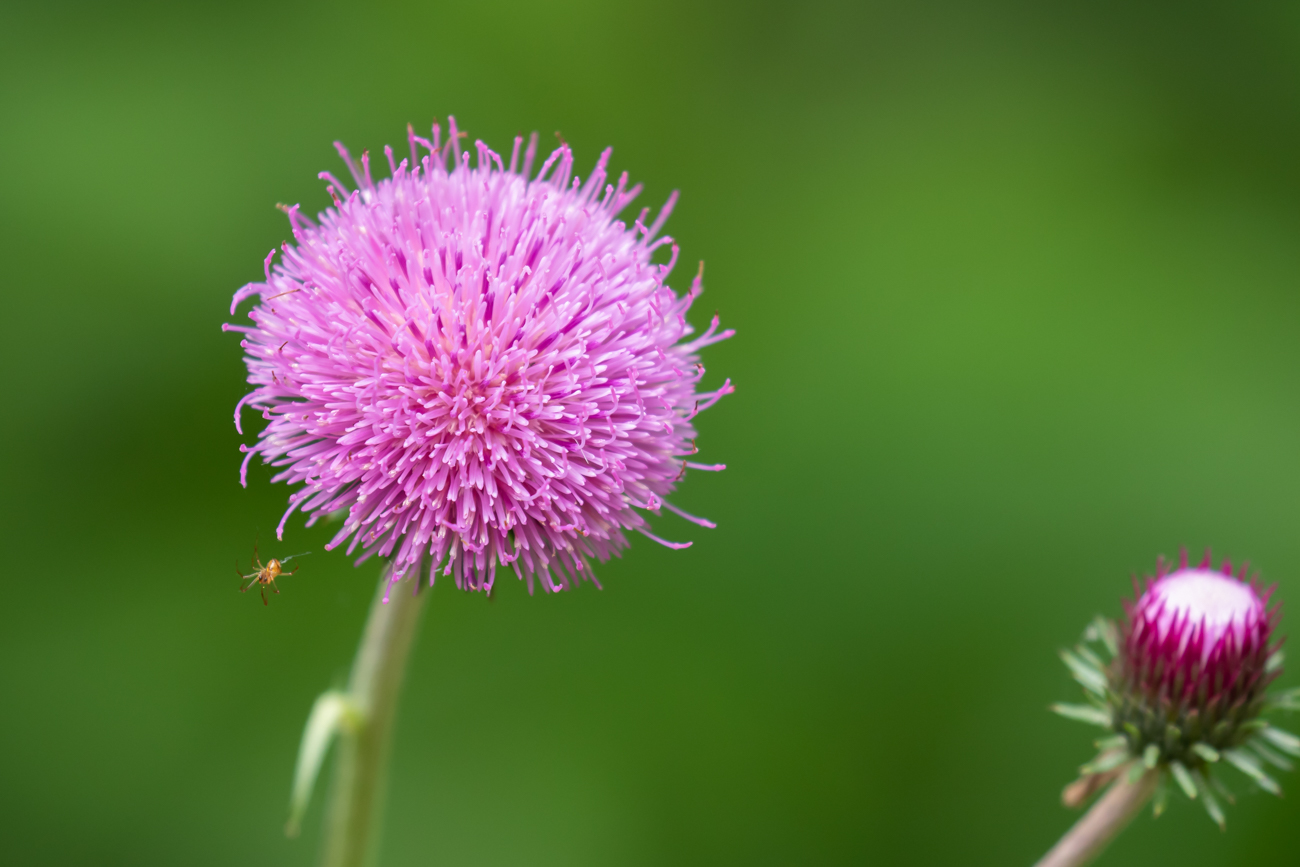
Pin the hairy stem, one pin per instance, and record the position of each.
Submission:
(356, 802)
(1099, 825)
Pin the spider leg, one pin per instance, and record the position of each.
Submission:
(295, 569)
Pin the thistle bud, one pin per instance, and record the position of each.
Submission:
(1181, 685)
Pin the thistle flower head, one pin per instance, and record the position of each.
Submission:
(477, 365)
(1185, 683)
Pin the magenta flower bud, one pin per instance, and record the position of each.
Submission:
(1185, 683)
(476, 365)
(1194, 653)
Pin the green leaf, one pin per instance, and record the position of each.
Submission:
(1250, 727)
(1151, 755)
(1282, 739)
(333, 712)
(1083, 713)
(1249, 765)
(1118, 742)
(1089, 657)
(1105, 762)
(1161, 799)
(1105, 630)
(1135, 772)
(1221, 788)
(1288, 699)
(1090, 678)
(1205, 751)
(1211, 805)
(1275, 661)
(1184, 779)
(1269, 756)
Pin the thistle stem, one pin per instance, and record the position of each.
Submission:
(356, 802)
(1112, 812)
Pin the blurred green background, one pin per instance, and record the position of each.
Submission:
(1016, 290)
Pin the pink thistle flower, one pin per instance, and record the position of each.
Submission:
(479, 365)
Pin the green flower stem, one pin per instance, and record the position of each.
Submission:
(356, 802)
(1099, 825)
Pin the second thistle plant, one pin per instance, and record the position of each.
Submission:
(1180, 686)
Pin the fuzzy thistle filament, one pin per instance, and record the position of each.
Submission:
(478, 365)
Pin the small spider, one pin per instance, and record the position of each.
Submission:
(265, 575)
